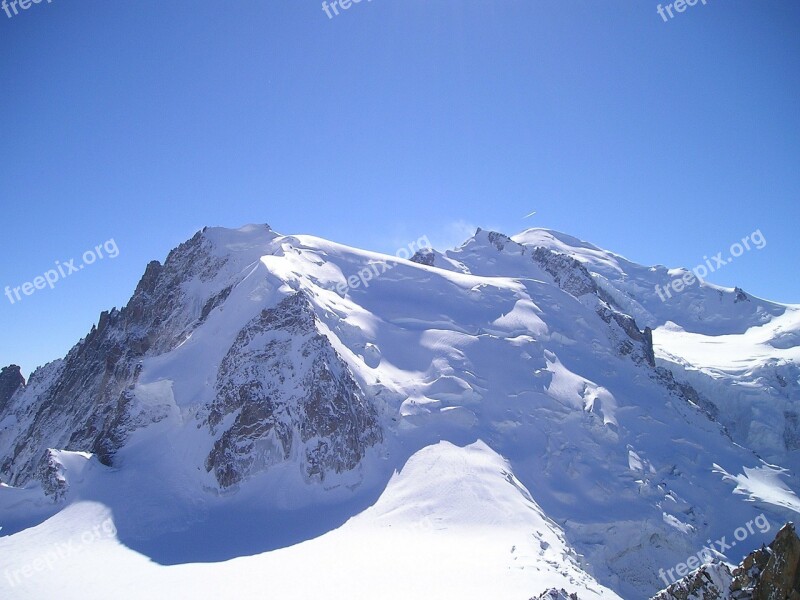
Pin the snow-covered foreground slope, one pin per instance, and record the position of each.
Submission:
(454, 523)
(246, 412)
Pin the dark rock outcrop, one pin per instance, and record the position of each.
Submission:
(424, 257)
(11, 380)
(636, 343)
(51, 475)
(687, 392)
(567, 272)
(711, 582)
(498, 240)
(554, 594)
(292, 396)
(769, 573)
(791, 430)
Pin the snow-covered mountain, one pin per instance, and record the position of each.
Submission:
(288, 416)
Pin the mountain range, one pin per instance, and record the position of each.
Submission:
(284, 416)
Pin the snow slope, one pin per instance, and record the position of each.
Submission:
(454, 523)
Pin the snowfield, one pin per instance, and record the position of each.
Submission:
(453, 523)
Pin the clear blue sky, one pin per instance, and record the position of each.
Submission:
(143, 121)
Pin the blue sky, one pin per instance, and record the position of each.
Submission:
(144, 121)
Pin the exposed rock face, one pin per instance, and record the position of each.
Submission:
(498, 240)
(11, 380)
(51, 476)
(569, 274)
(424, 257)
(83, 402)
(780, 574)
(215, 301)
(554, 594)
(687, 392)
(637, 343)
(791, 430)
(710, 582)
(650, 355)
(769, 573)
(293, 396)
